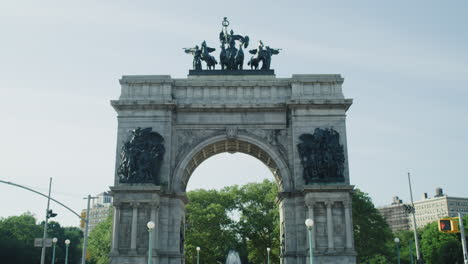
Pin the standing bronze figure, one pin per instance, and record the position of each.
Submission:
(196, 52)
(233, 57)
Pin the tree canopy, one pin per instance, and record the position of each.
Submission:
(244, 218)
(17, 234)
(441, 248)
(99, 243)
(371, 233)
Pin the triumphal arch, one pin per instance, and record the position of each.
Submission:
(295, 126)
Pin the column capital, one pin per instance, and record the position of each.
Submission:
(154, 205)
(117, 203)
(310, 203)
(329, 203)
(135, 204)
(347, 204)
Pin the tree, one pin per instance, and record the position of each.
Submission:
(440, 248)
(209, 226)
(406, 240)
(100, 241)
(74, 234)
(372, 235)
(17, 235)
(244, 218)
(76, 242)
(259, 219)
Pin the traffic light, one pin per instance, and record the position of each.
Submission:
(51, 214)
(449, 225)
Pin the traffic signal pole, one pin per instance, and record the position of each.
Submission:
(47, 211)
(85, 237)
(463, 238)
(44, 237)
(416, 241)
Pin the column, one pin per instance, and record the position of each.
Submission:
(348, 224)
(310, 206)
(155, 219)
(331, 243)
(115, 229)
(133, 241)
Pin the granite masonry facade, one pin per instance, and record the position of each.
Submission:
(259, 115)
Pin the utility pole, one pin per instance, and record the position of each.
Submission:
(463, 238)
(416, 241)
(44, 237)
(85, 238)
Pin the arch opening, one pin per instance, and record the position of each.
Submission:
(222, 145)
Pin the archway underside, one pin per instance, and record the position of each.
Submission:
(231, 146)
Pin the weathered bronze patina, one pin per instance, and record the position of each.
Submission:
(231, 56)
(322, 156)
(141, 157)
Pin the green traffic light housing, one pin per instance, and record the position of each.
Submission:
(51, 214)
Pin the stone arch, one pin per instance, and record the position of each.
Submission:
(246, 144)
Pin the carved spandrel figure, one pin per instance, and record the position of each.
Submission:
(196, 52)
(322, 156)
(141, 157)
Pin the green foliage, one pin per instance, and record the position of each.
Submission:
(99, 242)
(376, 259)
(259, 220)
(406, 241)
(244, 218)
(75, 249)
(440, 248)
(371, 233)
(17, 234)
(209, 226)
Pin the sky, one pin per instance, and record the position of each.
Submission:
(405, 64)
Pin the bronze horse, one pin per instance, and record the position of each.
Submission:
(205, 55)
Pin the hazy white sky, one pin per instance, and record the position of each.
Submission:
(405, 65)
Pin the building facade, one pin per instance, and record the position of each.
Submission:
(99, 210)
(395, 215)
(427, 210)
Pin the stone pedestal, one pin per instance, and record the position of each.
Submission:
(134, 207)
(330, 208)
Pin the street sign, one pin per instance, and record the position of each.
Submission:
(38, 242)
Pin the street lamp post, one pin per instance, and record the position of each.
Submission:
(198, 255)
(416, 241)
(397, 242)
(411, 251)
(67, 243)
(268, 255)
(150, 226)
(310, 224)
(54, 242)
